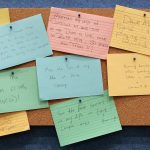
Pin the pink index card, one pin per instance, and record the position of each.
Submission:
(79, 33)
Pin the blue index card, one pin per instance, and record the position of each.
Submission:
(23, 41)
(68, 76)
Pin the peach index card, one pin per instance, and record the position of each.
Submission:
(128, 74)
(13, 123)
(131, 30)
(79, 33)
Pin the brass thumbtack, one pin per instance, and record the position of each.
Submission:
(10, 27)
(134, 59)
(144, 15)
(79, 15)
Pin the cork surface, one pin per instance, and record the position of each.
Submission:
(132, 110)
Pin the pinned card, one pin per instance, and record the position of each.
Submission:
(13, 123)
(85, 118)
(19, 91)
(79, 33)
(4, 16)
(128, 74)
(131, 30)
(68, 76)
(23, 41)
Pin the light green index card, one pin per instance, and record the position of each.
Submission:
(19, 91)
(84, 118)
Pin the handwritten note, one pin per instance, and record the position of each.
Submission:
(128, 74)
(131, 30)
(23, 41)
(4, 16)
(84, 118)
(13, 123)
(68, 76)
(79, 33)
(19, 91)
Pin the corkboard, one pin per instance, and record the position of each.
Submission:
(132, 110)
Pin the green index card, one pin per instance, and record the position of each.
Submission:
(19, 91)
(84, 118)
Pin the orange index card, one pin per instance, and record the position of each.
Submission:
(131, 30)
(13, 123)
(79, 33)
(128, 74)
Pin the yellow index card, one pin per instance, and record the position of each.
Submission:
(131, 30)
(4, 16)
(128, 74)
(13, 123)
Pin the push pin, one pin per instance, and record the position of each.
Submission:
(66, 59)
(144, 15)
(78, 15)
(134, 59)
(10, 27)
(12, 73)
(80, 100)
